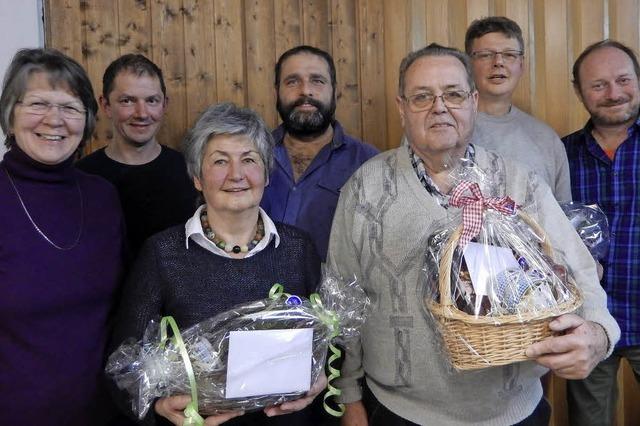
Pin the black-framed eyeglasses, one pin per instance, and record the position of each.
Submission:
(508, 56)
(424, 100)
(39, 107)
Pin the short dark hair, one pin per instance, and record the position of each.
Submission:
(601, 45)
(435, 49)
(60, 70)
(492, 24)
(311, 51)
(134, 63)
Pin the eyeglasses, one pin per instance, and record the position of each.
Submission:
(70, 111)
(508, 56)
(424, 100)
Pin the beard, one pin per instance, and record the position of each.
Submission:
(630, 113)
(306, 125)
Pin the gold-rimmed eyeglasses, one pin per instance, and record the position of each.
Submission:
(508, 56)
(424, 100)
(70, 111)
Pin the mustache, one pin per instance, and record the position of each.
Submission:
(307, 100)
(615, 102)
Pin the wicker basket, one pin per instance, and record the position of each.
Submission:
(478, 342)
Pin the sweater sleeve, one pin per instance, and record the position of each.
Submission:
(568, 244)
(562, 188)
(312, 267)
(140, 302)
(343, 259)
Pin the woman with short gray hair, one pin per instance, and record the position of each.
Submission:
(229, 252)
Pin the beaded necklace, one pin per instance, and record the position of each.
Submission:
(221, 244)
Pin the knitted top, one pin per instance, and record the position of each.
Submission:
(380, 231)
(154, 195)
(521, 137)
(194, 284)
(54, 304)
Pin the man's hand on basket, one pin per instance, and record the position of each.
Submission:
(572, 355)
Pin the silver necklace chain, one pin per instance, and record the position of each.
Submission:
(42, 234)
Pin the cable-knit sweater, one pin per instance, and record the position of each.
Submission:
(55, 304)
(379, 233)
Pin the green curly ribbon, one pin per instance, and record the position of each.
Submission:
(330, 319)
(191, 411)
(277, 291)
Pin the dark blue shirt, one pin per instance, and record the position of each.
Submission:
(310, 203)
(615, 186)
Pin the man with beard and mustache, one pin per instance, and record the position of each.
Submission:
(604, 158)
(496, 47)
(152, 181)
(313, 155)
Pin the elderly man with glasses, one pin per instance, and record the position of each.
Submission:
(396, 373)
(496, 48)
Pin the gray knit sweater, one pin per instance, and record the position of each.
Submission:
(521, 137)
(379, 233)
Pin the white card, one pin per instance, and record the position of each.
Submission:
(264, 362)
(484, 261)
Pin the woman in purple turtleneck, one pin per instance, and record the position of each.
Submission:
(61, 237)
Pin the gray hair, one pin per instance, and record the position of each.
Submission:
(435, 49)
(226, 119)
(61, 71)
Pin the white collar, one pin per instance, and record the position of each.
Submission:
(193, 230)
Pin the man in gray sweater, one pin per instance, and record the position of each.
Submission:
(496, 47)
(397, 373)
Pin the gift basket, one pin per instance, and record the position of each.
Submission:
(211, 360)
(592, 226)
(492, 281)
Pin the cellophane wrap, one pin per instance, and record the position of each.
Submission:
(592, 226)
(150, 368)
(504, 276)
(527, 284)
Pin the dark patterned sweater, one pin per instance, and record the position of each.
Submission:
(194, 284)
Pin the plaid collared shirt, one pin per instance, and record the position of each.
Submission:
(425, 179)
(615, 186)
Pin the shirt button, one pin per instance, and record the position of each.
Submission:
(294, 188)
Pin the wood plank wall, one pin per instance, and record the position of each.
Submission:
(225, 50)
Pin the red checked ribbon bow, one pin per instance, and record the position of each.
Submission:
(472, 207)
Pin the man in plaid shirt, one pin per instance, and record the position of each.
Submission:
(604, 159)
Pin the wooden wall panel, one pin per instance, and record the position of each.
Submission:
(519, 11)
(134, 25)
(371, 13)
(229, 35)
(261, 58)
(66, 31)
(345, 56)
(315, 23)
(199, 58)
(225, 50)
(288, 25)
(398, 41)
(168, 47)
(101, 46)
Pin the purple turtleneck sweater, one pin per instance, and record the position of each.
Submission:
(55, 304)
